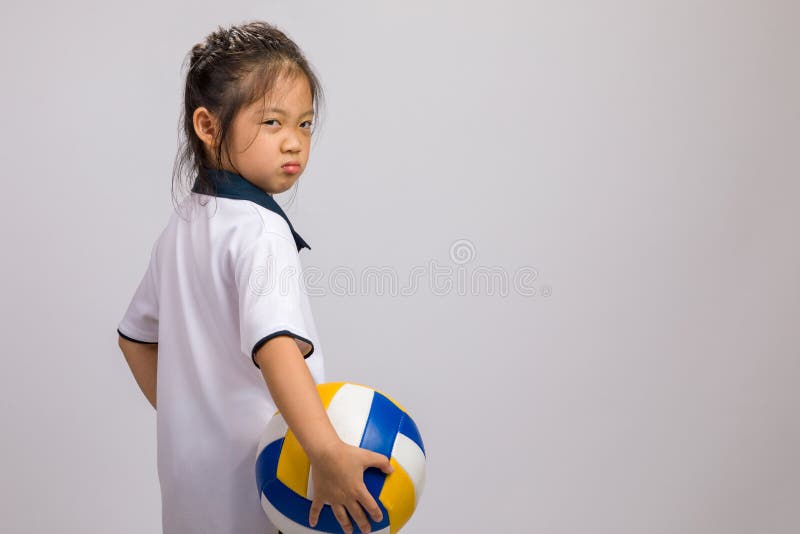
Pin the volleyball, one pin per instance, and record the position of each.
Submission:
(363, 417)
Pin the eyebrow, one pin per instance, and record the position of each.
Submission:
(283, 112)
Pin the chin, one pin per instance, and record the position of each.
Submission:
(288, 184)
(278, 185)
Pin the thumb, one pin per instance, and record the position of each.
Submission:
(380, 461)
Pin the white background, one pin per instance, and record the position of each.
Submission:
(642, 156)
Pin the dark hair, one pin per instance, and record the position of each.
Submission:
(233, 68)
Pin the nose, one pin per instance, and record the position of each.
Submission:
(292, 142)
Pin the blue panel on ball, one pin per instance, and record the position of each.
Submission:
(296, 507)
(409, 429)
(379, 435)
(267, 463)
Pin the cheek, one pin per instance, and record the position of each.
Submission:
(254, 139)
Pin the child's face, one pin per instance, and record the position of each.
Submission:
(262, 143)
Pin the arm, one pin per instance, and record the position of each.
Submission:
(338, 467)
(295, 394)
(142, 358)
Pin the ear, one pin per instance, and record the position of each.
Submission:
(205, 126)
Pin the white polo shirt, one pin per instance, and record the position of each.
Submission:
(222, 279)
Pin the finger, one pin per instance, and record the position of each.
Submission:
(380, 461)
(360, 517)
(313, 515)
(371, 506)
(341, 516)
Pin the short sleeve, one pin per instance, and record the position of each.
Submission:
(140, 322)
(269, 285)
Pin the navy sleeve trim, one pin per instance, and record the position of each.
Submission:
(137, 340)
(280, 333)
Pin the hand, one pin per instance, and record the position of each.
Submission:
(339, 481)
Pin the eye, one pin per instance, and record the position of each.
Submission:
(270, 120)
(308, 122)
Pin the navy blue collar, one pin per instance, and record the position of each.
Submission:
(231, 185)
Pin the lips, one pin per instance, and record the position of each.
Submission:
(292, 167)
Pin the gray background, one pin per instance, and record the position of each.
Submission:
(642, 157)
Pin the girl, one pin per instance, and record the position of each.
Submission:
(220, 312)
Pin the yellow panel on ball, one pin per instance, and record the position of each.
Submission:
(397, 496)
(294, 465)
